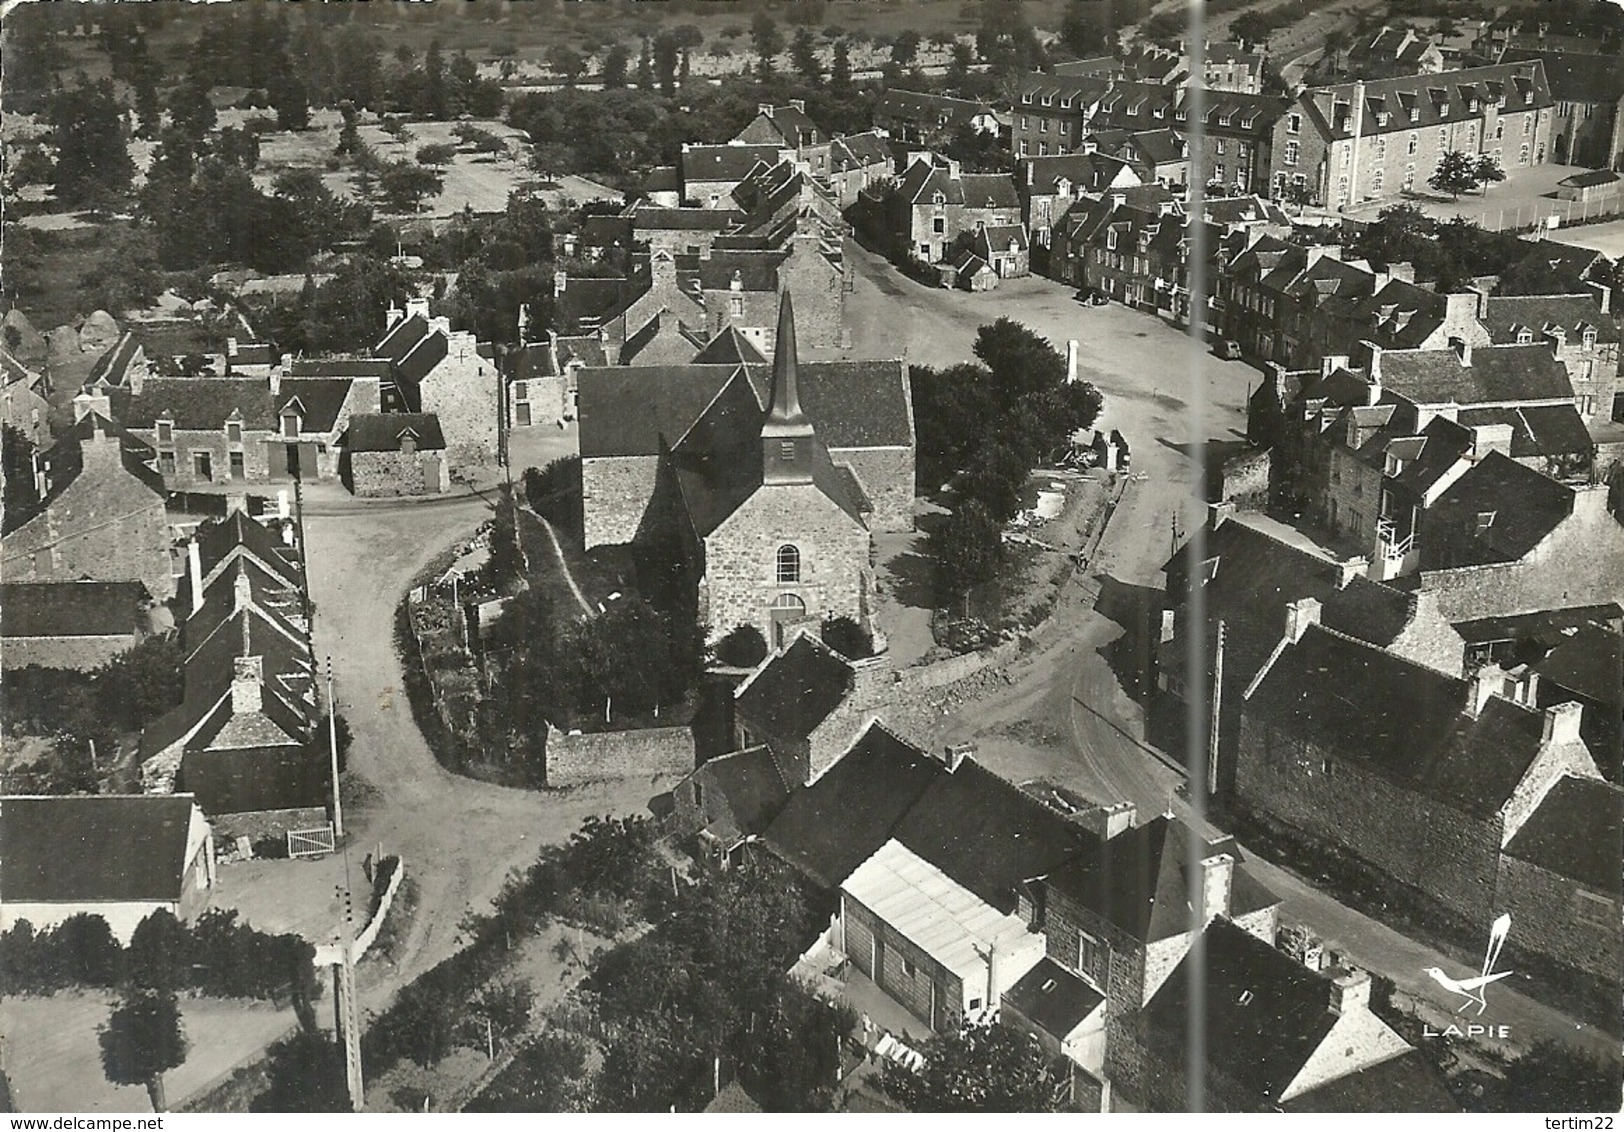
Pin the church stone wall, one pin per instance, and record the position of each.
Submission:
(615, 494)
(887, 476)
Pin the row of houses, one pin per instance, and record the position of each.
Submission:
(963, 898)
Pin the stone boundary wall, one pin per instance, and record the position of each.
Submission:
(605, 756)
(328, 954)
(941, 673)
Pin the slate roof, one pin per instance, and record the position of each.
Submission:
(792, 693)
(653, 218)
(914, 106)
(381, 432)
(1575, 76)
(200, 404)
(1437, 99)
(733, 1098)
(788, 123)
(1400, 720)
(217, 538)
(1138, 880)
(1588, 662)
(995, 239)
(662, 179)
(829, 828)
(988, 834)
(729, 347)
(1576, 832)
(401, 337)
(1589, 180)
(1497, 374)
(340, 367)
(1150, 105)
(724, 162)
(923, 180)
(1522, 507)
(1053, 998)
(1091, 172)
(320, 400)
(70, 609)
(420, 360)
(64, 462)
(93, 849)
(606, 232)
(1266, 1014)
(1505, 315)
(852, 404)
(1400, 1084)
(858, 151)
(751, 782)
(112, 368)
(1537, 430)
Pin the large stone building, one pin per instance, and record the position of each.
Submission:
(1587, 94)
(1363, 141)
(771, 515)
(100, 515)
(445, 372)
(936, 203)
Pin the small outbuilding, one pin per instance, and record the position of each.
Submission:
(1588, 186)
(397, 454)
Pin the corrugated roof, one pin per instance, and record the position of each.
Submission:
(944, 919)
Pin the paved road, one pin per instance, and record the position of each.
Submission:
(1067, 715)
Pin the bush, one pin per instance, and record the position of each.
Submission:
(554, 493)
(436, 154)
(847, 638)
(744, 647)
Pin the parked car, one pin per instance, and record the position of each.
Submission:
(1092, 296)
(1229, 349)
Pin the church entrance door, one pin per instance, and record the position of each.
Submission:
(787, 612)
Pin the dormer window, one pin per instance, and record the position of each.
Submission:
(233, 432)
(1485, 520)
(1590, 339)
(290, 424)
(1524, 336)
(166, 432)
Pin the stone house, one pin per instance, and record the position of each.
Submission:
(710, 173)
(218, 544)
(123, 366)
(857, 161)
(1559, 878)
(1392, 52)
(1052, 112)
(789, 128)
(1048, 186)
(1587, 93)
(729, 800)
(1156, 157)
(807, 704)
(918, 118)
(935, 203)
(118, 856)
(447, 373)
(100, 515)
(1226, 66)
(1003, 248)
(25, 400)
(540, 376)
(682, 230)
(1418, 777)
(972, 273)
(1237, 137)
(1580, 329)
(397, 454)
(74, 625)
(1368, 140)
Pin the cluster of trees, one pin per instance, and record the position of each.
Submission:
(981, 429)
(1451, 253)
(344, 313)
(985, 1067)
(1460, 172)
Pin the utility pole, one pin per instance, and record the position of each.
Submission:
(1217, 708)
(332, 748)
(346, 1014)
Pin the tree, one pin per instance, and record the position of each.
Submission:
(905, 48)
(404, 184)
(191, 113)
(442, 154)
(983, 1068)
(645, 67)
(93, 158)
(1250, 28)
(615, 63)
(550, 1074)
(840, 69)
(765, 37)
(744, 647)
(666, 56)
(967, 547)
(1488, 171)
(803, 53)
(17, 460)
(500, 1010)
(141, 1041)
(305, 1073)
(1555, 1077)
(567, 63)
(291, 100)
(159, 956)
(92, 956)
(1456, 174)
(1080, 32)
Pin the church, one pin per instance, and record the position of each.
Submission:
(758, 489)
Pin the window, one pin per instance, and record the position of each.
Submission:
(1291, 153)
(290, 425)
(975, 1004)
(938, 225)
(786, 451)
(1522, 154)
(1409, 177)
(233, 432)
(521, 391)
(238, 469)
(1443, 140)
(1528, 125)
(202, 465)
(166, 432)
(1219, 142)
(1025, 122)
(1590, 339)
(1294, 124)
(699, 795)
(789, 564)
(1043, 149)
(909, 969)
(1413, 144)
(166, 463)
(1381, 147)
(1524, 336)
(1090, 953)
(1499, 130)
(1376, 181)
(735, 306)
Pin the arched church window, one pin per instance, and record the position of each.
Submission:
(789, 564)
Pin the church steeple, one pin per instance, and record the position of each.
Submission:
(786, 437)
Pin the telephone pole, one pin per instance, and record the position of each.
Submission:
(346, 1014)
(332, 749)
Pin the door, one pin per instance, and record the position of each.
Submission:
(879, 959)
(787, 611)
(431, 474)
(521, 415)
(238, 467)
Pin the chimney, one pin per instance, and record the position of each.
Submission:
(231, 347)
(765, 109)
(561, 280)
(1071, 361)
(391, 318)
(1348, 570)
(442, 323)
(1373, 391)
(194, 565)
(417, 308)
(1350, 991)
(1486, 683)
(1105, 822)
(1403, 272)
(1604, 296)
(1220, 513)
(1462, 348)
(247, 684)
(1118, 199)
(1217, 882)
(1330, 363)
(952, 170)
(955, 753)
(236, 503)
(275, 379)
(1300, 615)
(1562, 723)
(872, 680)
(1491, 438)
(1373, 361)
(242, 589)
(1029, 175)
(91, 402)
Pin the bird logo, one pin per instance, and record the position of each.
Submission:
(1473, 991)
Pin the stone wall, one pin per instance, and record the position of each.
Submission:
(615, 495)
(1417, 841)
(741, 560)
(400, 473)
(462, 392)
(941, 673)
(548, 400)
(1246, 480)
(887, 476)
(605, 756)
(1561, 919)
(106, 526)
(78, 653)
(818, 288)
(256, 825)
(910, 976)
